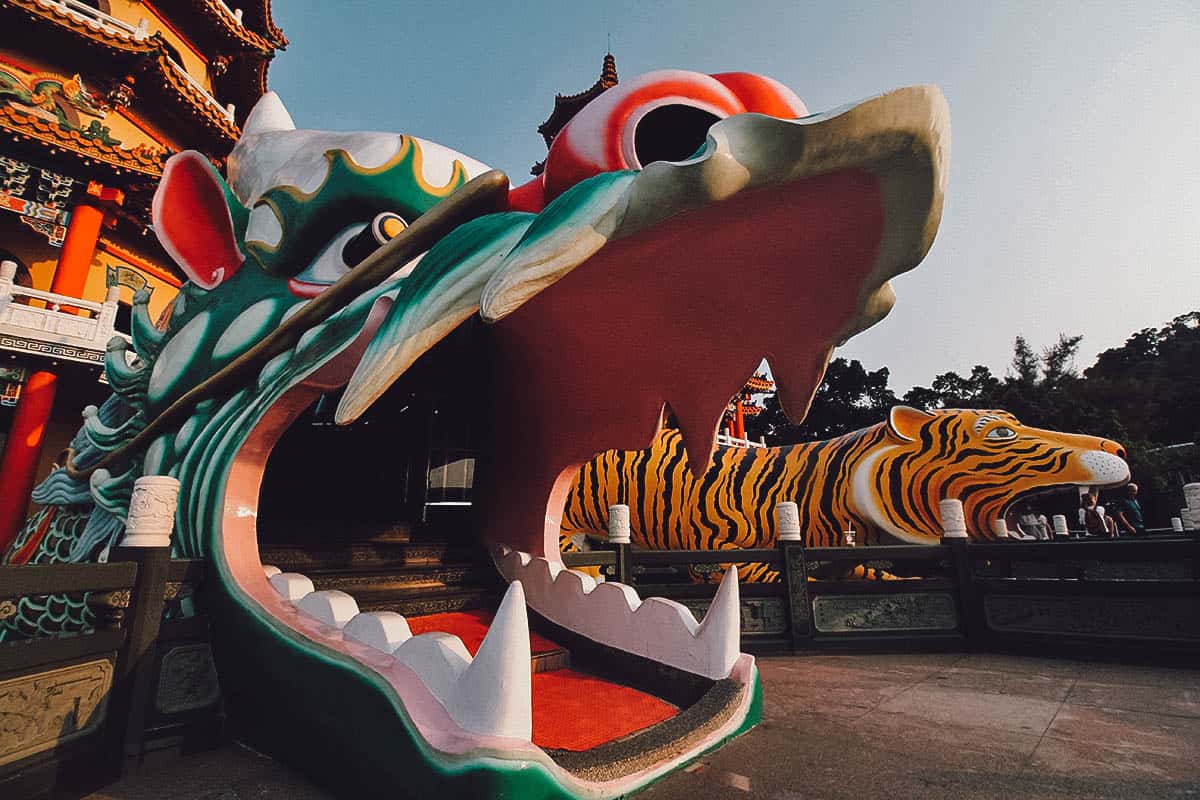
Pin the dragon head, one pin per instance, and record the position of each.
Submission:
(686, 225)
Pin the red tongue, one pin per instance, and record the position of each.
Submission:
(681, 315)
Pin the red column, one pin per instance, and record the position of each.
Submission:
(78, 250)
(739, 421)
(18, 468)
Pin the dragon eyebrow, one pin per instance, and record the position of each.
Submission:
(485, 194)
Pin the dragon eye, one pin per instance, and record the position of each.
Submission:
(382, 229)
(1000, 433)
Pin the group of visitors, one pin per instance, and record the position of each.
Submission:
(1123, 517)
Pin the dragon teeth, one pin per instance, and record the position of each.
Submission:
(495, 694)
(489, 695)
(383, 630)
(330, 606)
(613, 614)
(292, 586)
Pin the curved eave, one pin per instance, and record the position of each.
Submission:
(44, 11)
(209, 24)
(140, 160)
(194, 105)
(256, 15)
(244, 82)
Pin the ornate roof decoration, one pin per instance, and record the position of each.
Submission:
(214, 118)
(566, 106)
(94, 29)
(223, 24)
(141, 159)
(256, 15)
(150, 60)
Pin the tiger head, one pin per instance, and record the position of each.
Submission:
(986, 459)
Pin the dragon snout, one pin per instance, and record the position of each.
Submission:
(1109, 446)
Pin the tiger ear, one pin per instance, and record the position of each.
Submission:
(905, 422)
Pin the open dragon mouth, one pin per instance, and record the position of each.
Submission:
(611, 307)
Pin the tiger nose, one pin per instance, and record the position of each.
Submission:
(1110, 446)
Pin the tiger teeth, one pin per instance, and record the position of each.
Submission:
(488, 695)
(613, 614)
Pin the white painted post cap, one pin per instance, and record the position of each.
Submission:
(1191, 495)
(618, 524)
(787, 522)
(151, 517)
(954, 523)
(1177, 524)
(1060, 525)
(1000, 528)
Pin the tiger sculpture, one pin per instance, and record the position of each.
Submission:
(885, 481)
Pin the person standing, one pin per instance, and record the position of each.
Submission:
(1129, 512)
(1093, 519)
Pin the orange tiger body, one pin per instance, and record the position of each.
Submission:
(885, 481)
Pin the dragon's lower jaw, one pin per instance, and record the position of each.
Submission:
(354, 696)
(362, 703)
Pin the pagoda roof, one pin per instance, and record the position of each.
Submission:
(89, 152)
(212, 24)
(566, 106)
(256, 15)
(156, 78)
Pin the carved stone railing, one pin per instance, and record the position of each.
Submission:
(725, 440)
(52, 331)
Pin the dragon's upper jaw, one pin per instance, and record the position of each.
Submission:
(631, 293)
(664, 289)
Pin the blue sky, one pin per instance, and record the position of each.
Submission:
(1074, 196)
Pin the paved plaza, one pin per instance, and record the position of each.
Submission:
(863, 726)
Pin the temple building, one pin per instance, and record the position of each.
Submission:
(95, 95)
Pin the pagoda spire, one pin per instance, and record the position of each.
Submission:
(566, 106)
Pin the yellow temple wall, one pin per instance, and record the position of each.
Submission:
(41, 258)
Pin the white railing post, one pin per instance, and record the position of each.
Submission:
(151, 518)
(106, 322)
(1000, 528)
(1191, 496)
(1177, 524)
(618, 524)
(8, 275)
(787, 522)
(1059, 521)
(954, 523)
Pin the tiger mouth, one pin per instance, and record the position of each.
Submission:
(842, 201)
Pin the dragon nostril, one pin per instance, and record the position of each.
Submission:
(1120, 452)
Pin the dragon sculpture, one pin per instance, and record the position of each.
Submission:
(884, 481)
(334, 260)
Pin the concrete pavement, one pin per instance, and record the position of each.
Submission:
(891, 726)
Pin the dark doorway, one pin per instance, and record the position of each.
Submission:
(402, 471)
